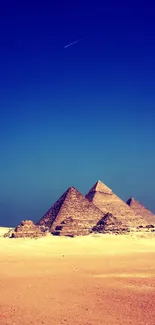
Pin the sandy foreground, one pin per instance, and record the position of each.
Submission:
(104, 279)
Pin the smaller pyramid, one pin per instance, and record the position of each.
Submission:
(27, 229)
(109, 224)
(142, 210)
(108, 202)
(71, 215)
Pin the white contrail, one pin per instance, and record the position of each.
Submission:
(72, 43)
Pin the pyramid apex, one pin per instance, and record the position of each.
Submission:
(72, 189)
(99, 182)
(100, 187)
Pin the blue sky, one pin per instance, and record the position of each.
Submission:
(73, 116)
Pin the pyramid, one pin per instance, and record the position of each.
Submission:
(140, 209)
(103, 197)
(27, 229)
(71, 215)
(109, 224)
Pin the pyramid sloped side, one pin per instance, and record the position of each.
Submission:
(142, 210)
(77, 216)
(113, 204)
(49, 217)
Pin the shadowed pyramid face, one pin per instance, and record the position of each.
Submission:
(103, 197)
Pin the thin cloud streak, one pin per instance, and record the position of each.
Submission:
(70, 44)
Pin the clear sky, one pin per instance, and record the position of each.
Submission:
(73, 116)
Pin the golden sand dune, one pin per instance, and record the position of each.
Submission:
(103, 279)
(3, 230)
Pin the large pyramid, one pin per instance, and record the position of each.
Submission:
(140, 209)
(103, 197)
(71, 215)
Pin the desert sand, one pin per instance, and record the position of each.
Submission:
(99, 279)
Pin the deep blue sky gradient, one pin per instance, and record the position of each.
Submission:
(73, 116)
